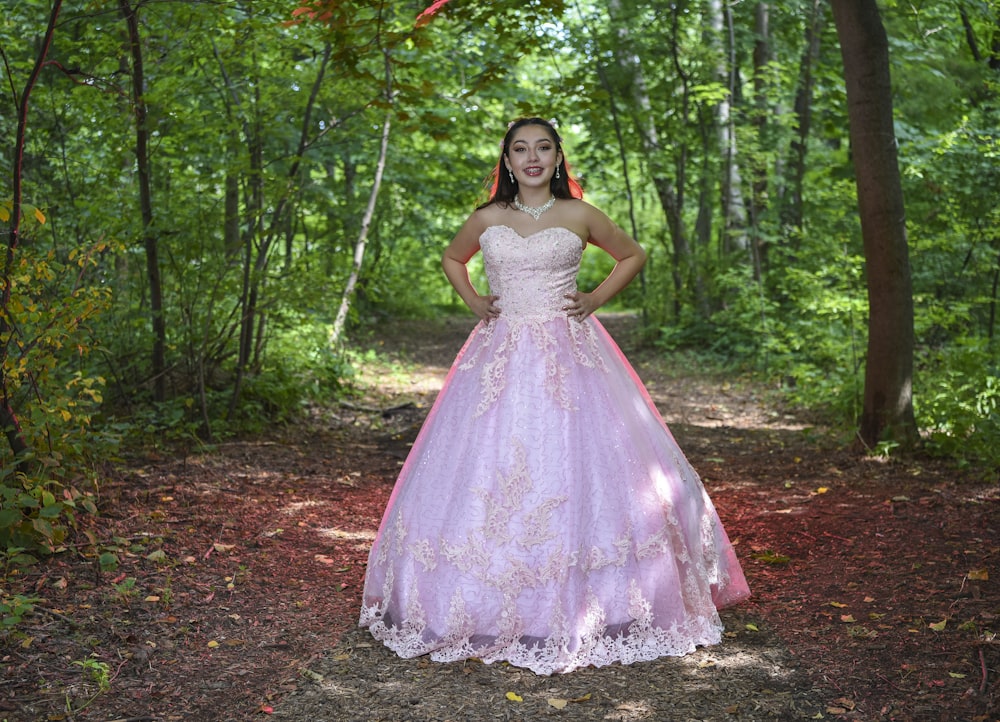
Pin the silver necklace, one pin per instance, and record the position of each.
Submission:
(534, 212)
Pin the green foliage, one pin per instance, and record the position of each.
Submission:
(13, 609)
(958, 401)
(56, 394)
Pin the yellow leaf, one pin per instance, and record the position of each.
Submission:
(39, 216)
(752, 628)
(151, 598)
(514, 697)
(558, 703)
(838, 605)
(213, 644)
(4, 214)
(979, 575)
(822, 490)
(938, 626)
(956, 675)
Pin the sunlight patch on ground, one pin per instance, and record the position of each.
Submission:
(363, 535)
(297, 506)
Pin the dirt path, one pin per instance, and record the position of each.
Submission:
(236, 590)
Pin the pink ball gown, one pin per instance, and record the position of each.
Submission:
(545, 515)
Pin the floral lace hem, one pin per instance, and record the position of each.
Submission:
(599, 644)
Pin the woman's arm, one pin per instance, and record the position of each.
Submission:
(464, 246)
(630, 257)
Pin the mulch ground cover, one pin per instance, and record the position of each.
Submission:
(235, 585)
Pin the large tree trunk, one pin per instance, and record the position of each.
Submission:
(149, 237)
(888, 399)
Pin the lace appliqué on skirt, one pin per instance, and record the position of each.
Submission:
(492, 374)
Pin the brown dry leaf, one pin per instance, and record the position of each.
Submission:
(219, 547)
(979, 575)
(847, 618)
(844, 702)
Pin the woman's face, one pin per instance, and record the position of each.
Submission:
(532, 156)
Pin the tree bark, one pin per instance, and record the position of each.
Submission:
(792, 213)
(149, 238)
(362, 242)
(887, 412)
(734, 232)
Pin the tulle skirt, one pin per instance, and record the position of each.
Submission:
(545, 516)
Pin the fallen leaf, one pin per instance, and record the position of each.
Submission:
(752, 627)
(558, 703)
(938, 626)
(844, 702)
(956, 675)
(514, 697)
(213, 644)
(838, 605)
(823, 490)
(223, 547)
(151, 598)
(979, 575)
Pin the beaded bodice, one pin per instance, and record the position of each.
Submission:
(531, 274)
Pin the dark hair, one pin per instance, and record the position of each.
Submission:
(503, 189)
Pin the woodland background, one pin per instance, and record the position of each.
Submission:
(205, 204)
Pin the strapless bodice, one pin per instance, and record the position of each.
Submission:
(532, 274)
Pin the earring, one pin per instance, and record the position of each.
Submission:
(557, 172)
(511, 174)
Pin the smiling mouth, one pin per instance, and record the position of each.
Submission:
(533, 171)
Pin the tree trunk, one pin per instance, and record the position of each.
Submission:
(792, 214)
(734, 235)
(887, 412)
(8, 416)
(362, 242)
(762, 111)
(149, 238)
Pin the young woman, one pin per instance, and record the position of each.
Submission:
(545, 515)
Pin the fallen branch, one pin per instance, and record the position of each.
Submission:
(375, 409)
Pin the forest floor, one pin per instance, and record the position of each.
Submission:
(876, 583)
